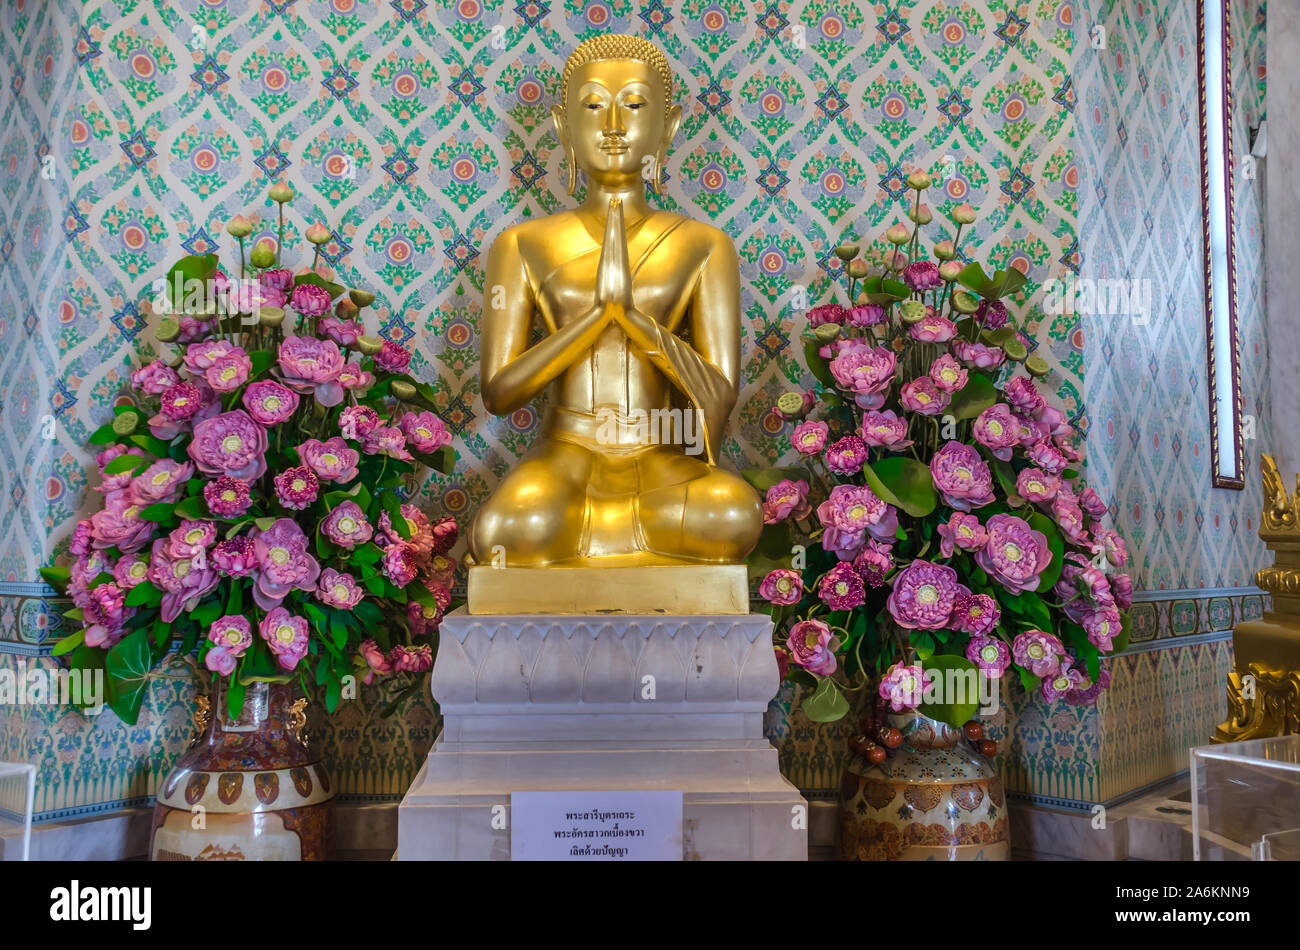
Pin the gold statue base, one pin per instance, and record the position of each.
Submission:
(643, 589)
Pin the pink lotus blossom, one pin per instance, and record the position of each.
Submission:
(417, 526)
(976, 614)
(191, 537)
(961, 476)
(424, 431)
(229, 444)
(847, 456)
(826, 313)
(786, 499)
(782, 587)
(990, 654)
(401, 564)
(230, 372)
(961, 531)
(375, 659)
(934, 329)
(183, 582)
(199, 357)
(842, 588)
(991, 314)
(286, 635)
(182, 407)
(978, 354)
(855, 508)
(342, 332)
(130, 570)
(885, 430)
(923, 595)
(1036, 485)
(269, 402)
(1086, 693)
(423, 619)
(1069, 516)
(809, 438)
(119, 525)
(812, 646)
(867, 315)
(353, 377)
(1015, 554)
(160, 483)
(309, 365)
(949, 375)
(393, 357)
(283, 563)
(331, 460)
(110, 484)
(866, 371)
(310, 300)
(997, 429)
(338, 589)
(1112, 544)
(231, 636)
(1102, 625)
(346, 525)
(1091, 502)
(1030, 431)
(357, 422)
(1053, 420)
(445, 531)
(280, 279)
(1063, 681)
(1038, 652)
(1022, 394)
(235, 557)
(296, 487)
(922, 275)
(227, 497)
(411, 659)
(387, 440)
(154, 378)
(921, 395)
(181, 402)
(1121, 586)
(904, 686)
(873, 562)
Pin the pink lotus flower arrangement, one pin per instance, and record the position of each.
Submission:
(937, 499)
(255, 482)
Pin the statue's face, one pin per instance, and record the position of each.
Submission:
(614, 118)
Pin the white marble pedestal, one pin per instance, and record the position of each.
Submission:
(604, 703)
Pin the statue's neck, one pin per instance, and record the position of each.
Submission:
(631, 193)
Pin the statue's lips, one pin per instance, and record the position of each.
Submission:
(614, 148)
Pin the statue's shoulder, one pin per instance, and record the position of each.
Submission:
(718, 244)
(536, 230)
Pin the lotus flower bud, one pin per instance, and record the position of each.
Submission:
(921, 215)
(862, 299)
(362, 298)
(898, 234)
(280, 192)
(963, 214)
(270, 316)
(919, 180)
(370, 345)
(169, 328)
(1037, 366)
(898, 261)
(238, 227)
(402, 390)
(949, 270)
(846, 252)
(945, 251)
(858, 268)
(318, 234)
(263, 255)
(345, 309)
(912, 312)
(827, 332)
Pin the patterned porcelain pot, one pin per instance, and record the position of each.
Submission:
(932, 799)
(248, 790)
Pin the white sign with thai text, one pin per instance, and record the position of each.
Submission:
(596, 826)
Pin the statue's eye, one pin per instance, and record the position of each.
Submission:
(593, 105)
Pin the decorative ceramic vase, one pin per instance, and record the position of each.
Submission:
(932, 799)
(248, 789)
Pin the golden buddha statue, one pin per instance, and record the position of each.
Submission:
(640, 310)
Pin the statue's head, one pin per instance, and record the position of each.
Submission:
(616, 115)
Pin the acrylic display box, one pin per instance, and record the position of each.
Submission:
(1246, 800)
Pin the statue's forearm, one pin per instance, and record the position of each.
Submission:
(657, 342)
(518, 381)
